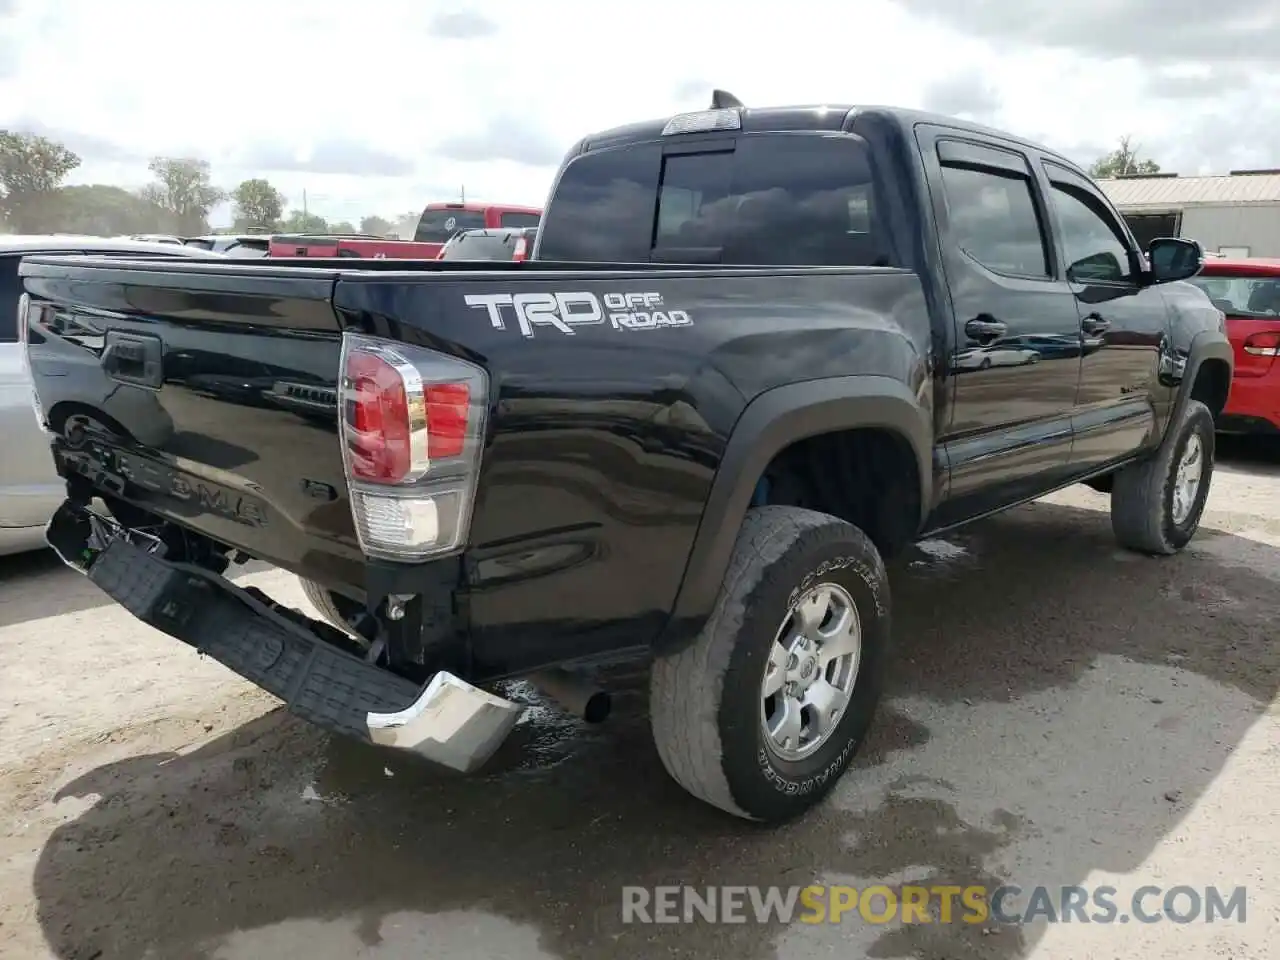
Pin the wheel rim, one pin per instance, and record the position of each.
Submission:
(1186, 479)
(813, 665)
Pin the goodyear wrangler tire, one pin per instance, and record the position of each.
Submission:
(1156, 505)
(763, 712)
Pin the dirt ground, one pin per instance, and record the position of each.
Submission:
(1060, 713)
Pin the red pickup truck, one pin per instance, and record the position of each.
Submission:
(439, 222)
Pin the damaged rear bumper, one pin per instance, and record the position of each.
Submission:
(447, 720)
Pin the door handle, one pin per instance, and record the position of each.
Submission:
(1094, 324)
(984, 327)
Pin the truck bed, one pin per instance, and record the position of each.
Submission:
(602, 439)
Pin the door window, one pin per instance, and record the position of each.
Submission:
(992, 217)
(1093, 244)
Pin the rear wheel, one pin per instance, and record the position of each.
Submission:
(329, 605)
(762, 713)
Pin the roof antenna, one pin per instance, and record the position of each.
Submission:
(723, 100)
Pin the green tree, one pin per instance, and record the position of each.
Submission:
(342, 226)
(299, 221)
(378, 226)
(104, 210)
(258, 205)
(31, 170)
(1122, 160)
(185, 192)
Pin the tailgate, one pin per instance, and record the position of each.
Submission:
(204, 394)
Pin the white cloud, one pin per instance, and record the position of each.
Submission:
(383, 106)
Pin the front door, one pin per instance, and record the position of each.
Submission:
(1015, 358)
(1124, 323)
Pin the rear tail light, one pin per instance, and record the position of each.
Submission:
(522, 249)
(1263, 344)
(412, 425)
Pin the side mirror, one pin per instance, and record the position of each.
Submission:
(1100, 266)
(1173, 258)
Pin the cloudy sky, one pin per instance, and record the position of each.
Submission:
(378, 106)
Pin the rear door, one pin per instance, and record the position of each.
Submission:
(1010, 434)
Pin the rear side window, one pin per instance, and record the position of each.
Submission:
(1241, 296)
(992, 217)
(10, 290)
(769, 199)
(511, 219)
(437, 226)
(479, 247)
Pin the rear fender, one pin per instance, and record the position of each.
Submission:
(771, 422)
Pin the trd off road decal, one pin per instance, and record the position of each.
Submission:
(564, 311)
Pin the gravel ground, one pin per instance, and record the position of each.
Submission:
(1060, 713)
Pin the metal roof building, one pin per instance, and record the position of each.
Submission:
(1237, 214)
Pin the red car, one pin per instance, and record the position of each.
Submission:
(1248, 292)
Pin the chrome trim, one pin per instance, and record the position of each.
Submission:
(451, 723)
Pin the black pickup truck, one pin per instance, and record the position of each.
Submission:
(755, 352)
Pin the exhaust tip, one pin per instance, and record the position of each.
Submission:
(598, 707)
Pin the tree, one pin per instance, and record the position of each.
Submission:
(258, 205)
(299, 221)
(185, 192)
(31, 170)
(103, 210)
(342, 226)
(376, 225)
(1122, 160)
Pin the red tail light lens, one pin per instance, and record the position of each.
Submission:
(447, 405)
(522, 249)
(412, 425)
(1265, 344)
(381, 440)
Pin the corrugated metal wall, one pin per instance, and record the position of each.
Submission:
(1256, 226)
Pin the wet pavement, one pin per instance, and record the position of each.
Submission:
(1059, 713)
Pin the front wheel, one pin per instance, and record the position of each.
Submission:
(1156, 505)
(762, 713)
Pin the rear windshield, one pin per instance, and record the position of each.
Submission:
(1241, 296)
(513, 219)
(784, 199)
(480, 247)
(437, 226)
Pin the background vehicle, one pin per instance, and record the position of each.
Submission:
(1247, 291)
(233, 244)
(316, 245)
(30, 489)
(154, 238)
(688, 430)
(500, 243)
(440, 221)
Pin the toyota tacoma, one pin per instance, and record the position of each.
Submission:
(755, 352)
